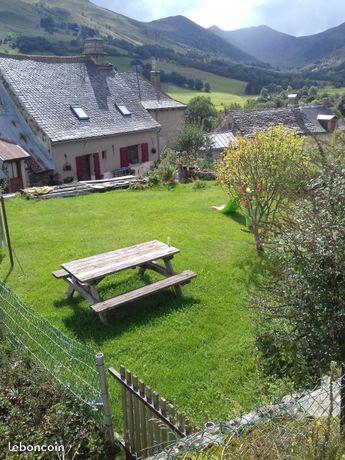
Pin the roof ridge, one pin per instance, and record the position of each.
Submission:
(42, 58)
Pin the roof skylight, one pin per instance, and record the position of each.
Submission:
(79, 113)
(123, 110)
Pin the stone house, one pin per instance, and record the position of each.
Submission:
(317, 120)
(80, 118)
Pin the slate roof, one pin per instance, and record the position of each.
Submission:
(10, 151)
(49, 86)
(151, 98)
(301, 119)
(14, 128)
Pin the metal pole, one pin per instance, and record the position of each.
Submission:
(108, 421)
(7, 230)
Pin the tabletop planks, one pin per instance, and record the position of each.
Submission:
(101, 265)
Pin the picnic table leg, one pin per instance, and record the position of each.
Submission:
(94, 292)
(70, 291)
(169, 267)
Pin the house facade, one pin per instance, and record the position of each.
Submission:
(79, 118)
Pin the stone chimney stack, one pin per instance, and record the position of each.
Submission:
(94, 49)
(293, 100)
(155, 76)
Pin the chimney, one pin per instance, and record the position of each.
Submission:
(155, 76)
(293, 100)
(326, 103)
(94, 49)
(328, 122)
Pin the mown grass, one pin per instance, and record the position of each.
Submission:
(196, 351)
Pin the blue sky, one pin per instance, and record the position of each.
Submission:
(297, 17)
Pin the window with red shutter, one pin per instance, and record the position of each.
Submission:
(124, 157)
(144, 153)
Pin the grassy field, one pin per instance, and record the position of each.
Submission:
(224, 91)
(196, 351)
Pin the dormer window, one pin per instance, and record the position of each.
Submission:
(123, 110)
(79, 113)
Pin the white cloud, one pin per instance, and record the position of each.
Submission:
(294, 16)
(227, 14)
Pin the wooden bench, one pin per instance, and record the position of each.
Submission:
(60, 274)
(179, 279)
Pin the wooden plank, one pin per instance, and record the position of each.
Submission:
(136, 417)
(150, 422)
(58, 274)
(155, 267)
(170, 269)
(157, 430)
(124, 408)
(82, 291)
(171, 416)
(112, 262)
(143, 291)
(164, 430)
(143, 421)
(129, 396)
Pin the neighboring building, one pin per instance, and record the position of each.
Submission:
(82, 119)
(219, 142)
(12, 166)
(316, 120)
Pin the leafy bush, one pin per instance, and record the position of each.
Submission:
(198, 184)
(153, 178)
(35, 410)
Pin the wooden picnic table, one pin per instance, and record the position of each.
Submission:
(84, 275)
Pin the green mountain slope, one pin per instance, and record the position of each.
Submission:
(284, 50)
(73, 18)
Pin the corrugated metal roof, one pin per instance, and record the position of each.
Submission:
(222, 140)
(9, 151)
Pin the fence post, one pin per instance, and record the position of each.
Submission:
(108, 421)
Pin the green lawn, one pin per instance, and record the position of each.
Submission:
(196, 351)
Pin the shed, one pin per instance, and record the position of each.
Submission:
(12, 160)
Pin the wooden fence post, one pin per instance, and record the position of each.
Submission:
(108, 421)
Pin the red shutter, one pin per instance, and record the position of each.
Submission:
(96, 166)
(144, 153)
(124, 157)
(80, 167)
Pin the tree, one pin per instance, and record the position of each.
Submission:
(202, 112)
(207, 87)
(264, 171)
(313, 91)
(264, 94)
(199, 85)
(306, 304)
(190, 83)
(191, 142)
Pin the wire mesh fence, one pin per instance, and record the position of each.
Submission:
(69, 362)
(301, 425)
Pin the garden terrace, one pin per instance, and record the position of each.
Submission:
(196, 351)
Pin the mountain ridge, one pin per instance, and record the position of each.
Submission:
(283, 50)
